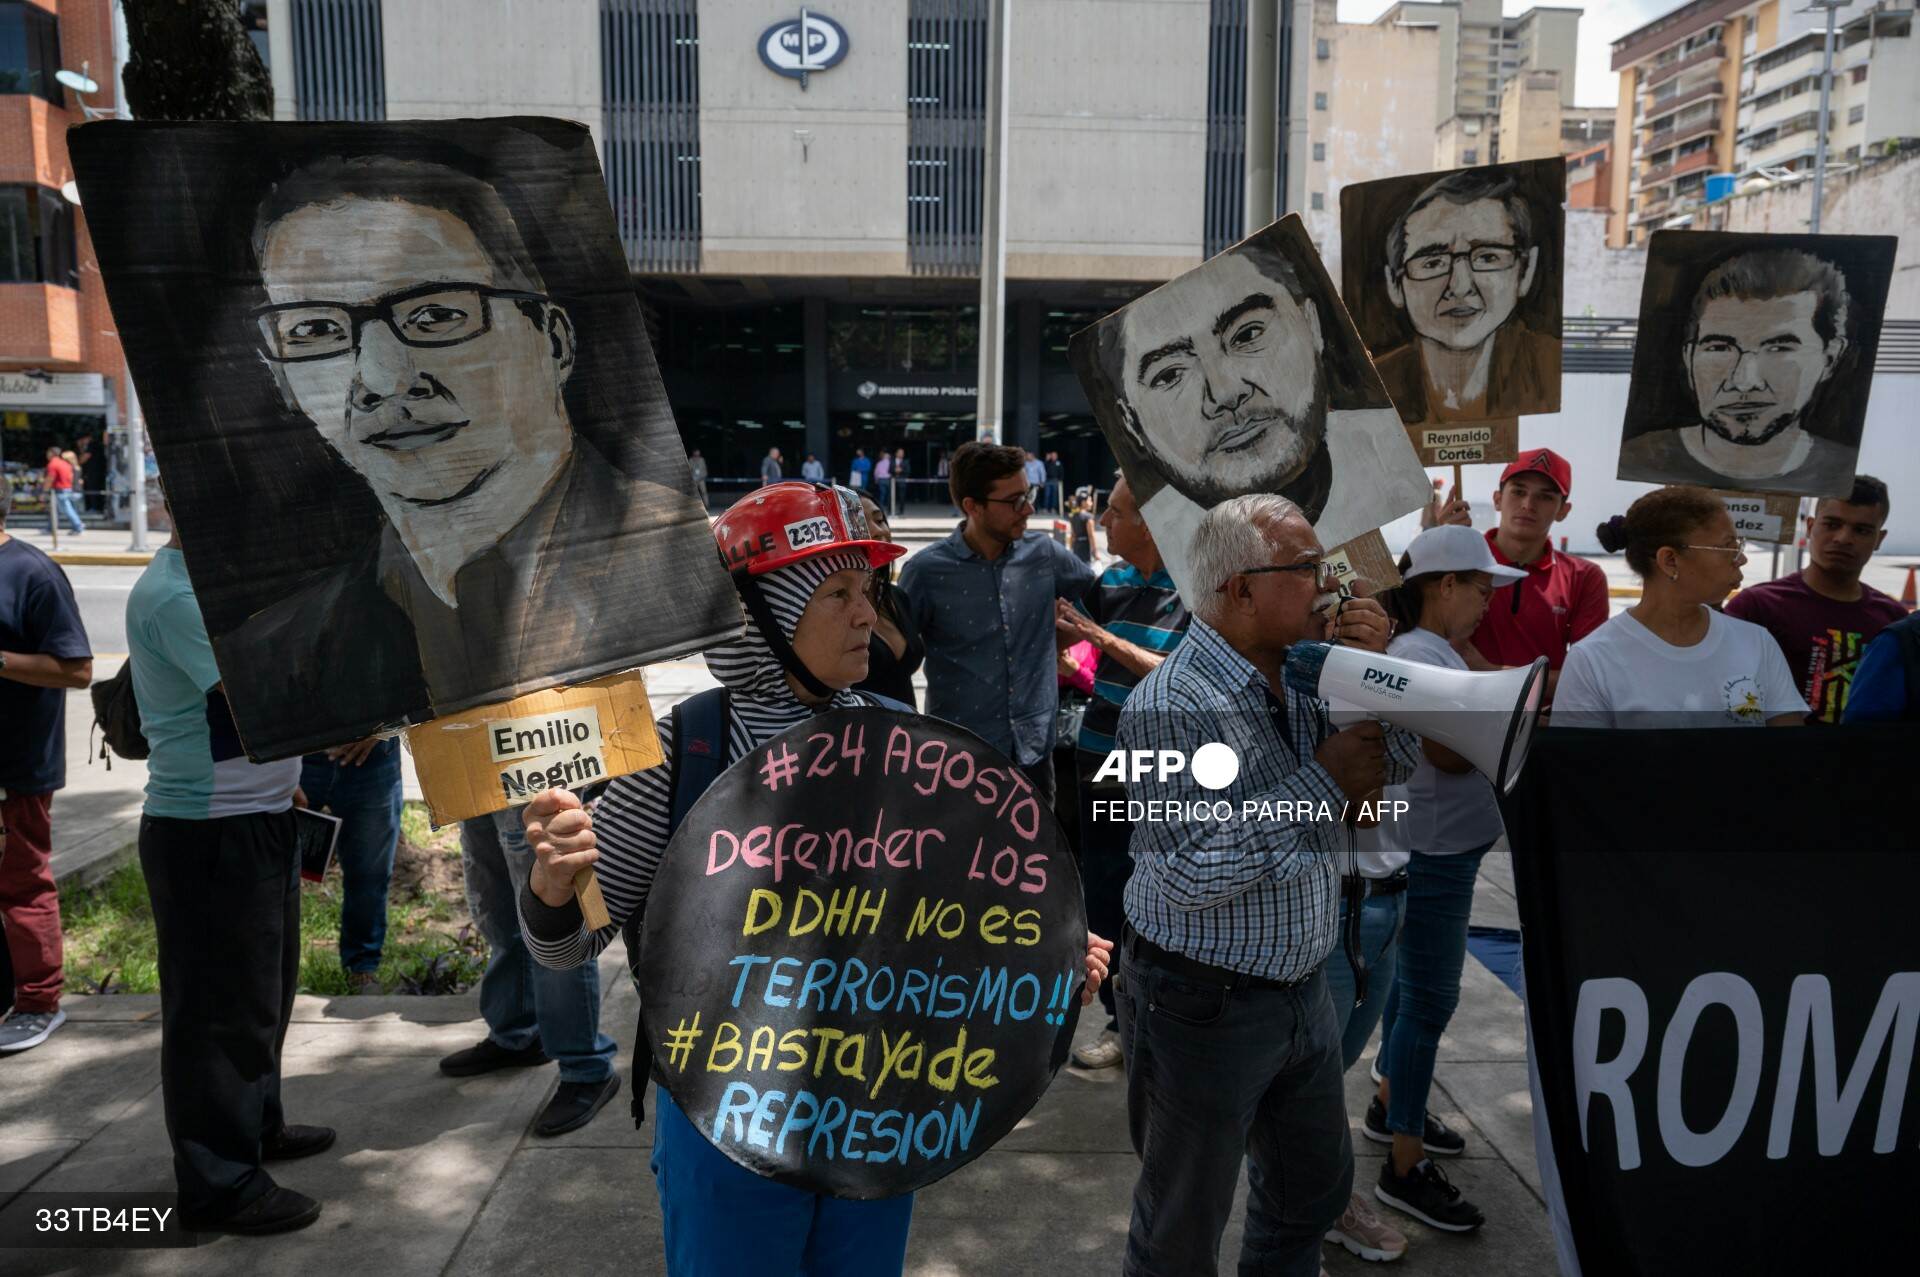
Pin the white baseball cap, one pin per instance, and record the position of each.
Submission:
(1453, 548)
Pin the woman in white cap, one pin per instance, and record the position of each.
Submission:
(1449, 580)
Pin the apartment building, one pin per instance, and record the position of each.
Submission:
(60, 362)
(1733, 87)
(1372, 90)
(1874, 102)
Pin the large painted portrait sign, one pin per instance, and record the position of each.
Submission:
(1245, 375)
(1454, 280)
(1754, 360)
(408, 420)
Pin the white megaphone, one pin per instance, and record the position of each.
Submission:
(1486, 718)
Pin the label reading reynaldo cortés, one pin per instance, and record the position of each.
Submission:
(547, 751)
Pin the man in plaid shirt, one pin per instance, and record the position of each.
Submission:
(1229, 1036)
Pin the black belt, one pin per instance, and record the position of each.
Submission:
(1393, 885)
(1139, 948)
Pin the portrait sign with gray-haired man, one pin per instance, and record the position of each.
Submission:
(415, 442)
(1454, 280)
(1245, 375)
(1754, 360)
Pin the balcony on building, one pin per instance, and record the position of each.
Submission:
(1663, 70)
(1658, 105)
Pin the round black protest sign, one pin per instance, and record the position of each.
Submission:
(863, 954)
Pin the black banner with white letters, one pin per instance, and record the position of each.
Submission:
(1723, 979)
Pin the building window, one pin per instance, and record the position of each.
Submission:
(1320, 151)
(1316, 201)
(1853, 153)
(650, 126)
(1856, 114)
(338, 72)
(1224, 211)
(1322, 50)
(29, 51)
(1860, 74)
(946, 134)
(1319, 101)
(1470, 156)
(36, 238)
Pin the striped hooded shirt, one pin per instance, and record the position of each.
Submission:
(630, 820)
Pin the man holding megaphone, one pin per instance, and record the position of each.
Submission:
(1230, 1037)
(1225, 1022)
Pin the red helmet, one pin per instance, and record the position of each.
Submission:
(784, 523)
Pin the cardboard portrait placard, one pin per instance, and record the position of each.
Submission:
(863, 954)
(407, 416)
(1754, 360)
(1454, 280)
(1246, 375)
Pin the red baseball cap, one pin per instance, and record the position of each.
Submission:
(1542, 461)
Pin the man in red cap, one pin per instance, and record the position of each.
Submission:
(1562, 598)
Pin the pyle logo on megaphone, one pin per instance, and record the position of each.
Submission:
(1385, 682)
(1213, 766)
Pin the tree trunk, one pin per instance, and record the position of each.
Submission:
(191, 60)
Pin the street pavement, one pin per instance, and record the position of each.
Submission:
(433, 1175)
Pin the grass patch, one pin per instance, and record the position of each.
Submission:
(430, 946)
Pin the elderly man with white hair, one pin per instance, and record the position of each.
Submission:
(1229, 1036)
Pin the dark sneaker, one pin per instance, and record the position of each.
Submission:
(279, 1210)
(487, 1057)
(292, 1141)
(23, 1030)
(1438, 1139)
(574, 1104)
(1426, 1194)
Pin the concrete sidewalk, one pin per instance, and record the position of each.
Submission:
(437, 1176)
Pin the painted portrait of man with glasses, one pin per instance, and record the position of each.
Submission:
(442, 368)
(1755, 359)
(1460, 296)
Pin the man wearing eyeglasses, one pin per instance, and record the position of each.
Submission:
(406, 320)
(1459, 262)
(1225, 1021)
(983, 600)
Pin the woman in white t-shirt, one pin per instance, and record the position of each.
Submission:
(1427, 862)
(1673, 659)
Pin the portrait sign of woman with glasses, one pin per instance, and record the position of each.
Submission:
(1460, 296)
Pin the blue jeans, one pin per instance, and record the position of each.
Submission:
(367, 800)
(722, 1220)
(63, 505)
(1217, 1076)
(522, 1001)
(1433, 950)
(1380, 918)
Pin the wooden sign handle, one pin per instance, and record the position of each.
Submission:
(593, 906)
(1456, 477)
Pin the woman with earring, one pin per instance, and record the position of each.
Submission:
(1673, 659)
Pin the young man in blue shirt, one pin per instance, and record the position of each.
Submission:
(983, 599)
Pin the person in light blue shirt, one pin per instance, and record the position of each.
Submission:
(983, 600)
(218, 847)
(812, 471)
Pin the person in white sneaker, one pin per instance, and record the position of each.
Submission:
(43, 652)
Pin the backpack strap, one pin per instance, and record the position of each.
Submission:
(699, 756)
(699, 750)
(886, 702)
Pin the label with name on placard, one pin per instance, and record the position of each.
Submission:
(547, 751)
(1752, 517)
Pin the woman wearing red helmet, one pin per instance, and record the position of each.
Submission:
(801, 556)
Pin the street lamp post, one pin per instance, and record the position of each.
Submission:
(988, 419)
